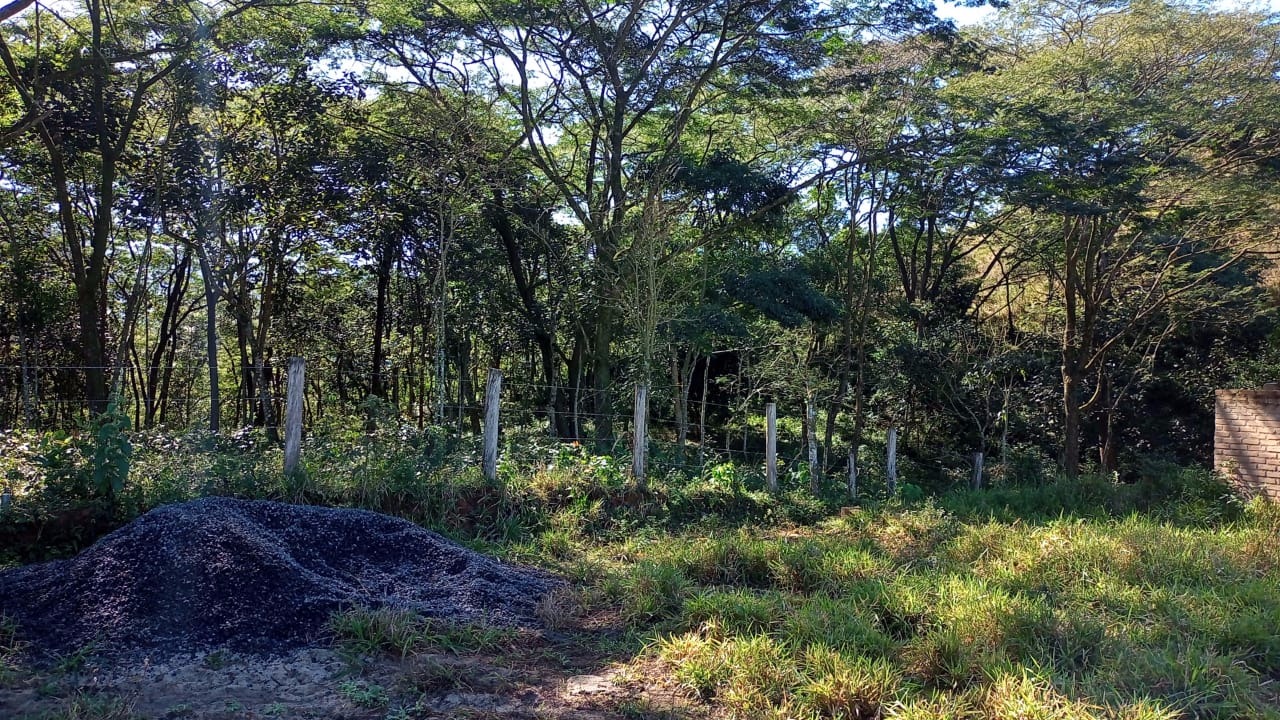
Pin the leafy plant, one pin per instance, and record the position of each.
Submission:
(111, 452)
(364, 694)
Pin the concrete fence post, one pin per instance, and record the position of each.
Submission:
(492, 399)
(294, 403)
(771, 446)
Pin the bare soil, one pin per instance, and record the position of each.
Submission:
(533, 678)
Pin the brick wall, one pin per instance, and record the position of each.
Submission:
(1246, 439)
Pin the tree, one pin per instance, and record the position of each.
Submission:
(1138, 169)
(621, 84)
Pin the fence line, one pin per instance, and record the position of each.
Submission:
(638, 440)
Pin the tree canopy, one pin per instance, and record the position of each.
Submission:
(1047, 238)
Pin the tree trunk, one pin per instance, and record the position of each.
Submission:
(92, 346)
(381, 315)
(1004, 437)
(1071, 351)
(245, 403)
(1071, 421)
(29, 417)
(853, 473)
(602, 371)
(682, 420)
(159, 369)
(265, 315)
(833, 411)
(1108, 448)
(262, 377)
(682, 378)
(550, 378)
(211, 296)
(576, 361)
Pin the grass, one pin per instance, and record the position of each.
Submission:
(11, 651)
(914, 613)
(1158, 598)
(83, 705)
(363, 631)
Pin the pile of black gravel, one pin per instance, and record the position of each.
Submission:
(255, 576)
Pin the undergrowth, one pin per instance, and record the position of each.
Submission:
(363, 631)
(1088, 598)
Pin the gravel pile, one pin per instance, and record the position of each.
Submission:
(255, 576)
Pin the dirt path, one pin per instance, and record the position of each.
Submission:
(530, 680)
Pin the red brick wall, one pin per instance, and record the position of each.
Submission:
(1246, 439)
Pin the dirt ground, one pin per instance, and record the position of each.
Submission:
(533, 678)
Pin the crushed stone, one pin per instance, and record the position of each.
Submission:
(255, 576)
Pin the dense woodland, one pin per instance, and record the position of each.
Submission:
(1049, 236)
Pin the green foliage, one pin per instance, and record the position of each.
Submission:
(112, 452)
(363, 631)
(1183, 495)
(363, 693)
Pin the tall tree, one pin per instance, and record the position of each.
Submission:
(1138, 166)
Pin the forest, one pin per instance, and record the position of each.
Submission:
(973, 285)
(1047, 237)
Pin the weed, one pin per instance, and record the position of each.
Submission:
(93, 706)
(11, 649)
(654, 591)
(699, 664)
(76, 660)
(217, 660)
(364, 694)
(643, 709)
(429, 674)
(403, 632)
(364, 631)
(560, 608)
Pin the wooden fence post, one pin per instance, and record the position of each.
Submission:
(853, 473)
(811, 419)
(891, 466)
(640, 438)
(771, 446)
(977, 470)
(293, 415)
(492, 398)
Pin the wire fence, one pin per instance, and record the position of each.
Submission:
(47, 396)
(50, 397)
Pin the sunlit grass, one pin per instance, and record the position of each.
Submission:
(913, 613)
(1080, 599)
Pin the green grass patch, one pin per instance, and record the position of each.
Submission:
(916, 613)
(1152, 599)
(404, 632)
